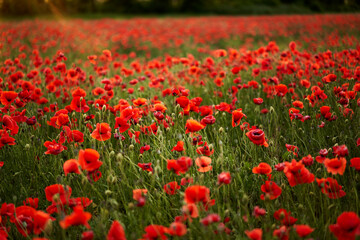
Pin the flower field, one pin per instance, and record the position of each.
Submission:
(180, 128)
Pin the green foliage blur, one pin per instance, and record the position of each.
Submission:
(142, 7)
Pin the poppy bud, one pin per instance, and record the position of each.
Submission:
(104, 108)
(113, 202)
(245, 199)
(56, 197)
(267, 198)
(131, 206)
(48, 227)
(111, 179)
(111, 154)
(27, 147)
(131, 147)
(158, 169)
(221, 130)
(331, 206)
(141, 202)
(108, 192)
(119, 157)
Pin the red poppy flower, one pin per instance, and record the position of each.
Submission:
(298, 104)
(193, 126)
(307, 160)
(263, 168)
(122, 124)
(146, 167)
(63, 191)
(224, 178)
(179, 147)
(190, 210)
(138, 193)
(177, 229)
(7, 97)
(340, 151)
(208, 120)
(281, 90)
(258, 101)
(347, 226)
(102, 132)
(303, 230)
(211, 218)
(155, 232)
(116, 232)
(54, 148)
(32, 202)
(285, 217)
(87, 235)
(296, 173)
(77, 217)
(205, 150)
(159, 107)
(180, 165)
(9, 123)
(203, 163)
(355, 163)
(330, 187)
(335, 165)
(89, 160)
(237, 115)
(255, 234)
(72, 135)
(144, 148)
(197, 193)
(186, 181)
(271, 190)
(24, 217)
(257, 212)
(139, 101)
(78, 104)
(257, 136)
(5, 139)
(171, 188)
(71, 166)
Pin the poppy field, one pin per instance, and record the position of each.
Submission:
(180, 128)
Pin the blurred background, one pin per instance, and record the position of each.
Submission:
(16, 8)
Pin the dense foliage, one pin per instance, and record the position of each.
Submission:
(67, 7)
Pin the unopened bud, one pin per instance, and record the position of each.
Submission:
(221, 130)
(119, 157)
